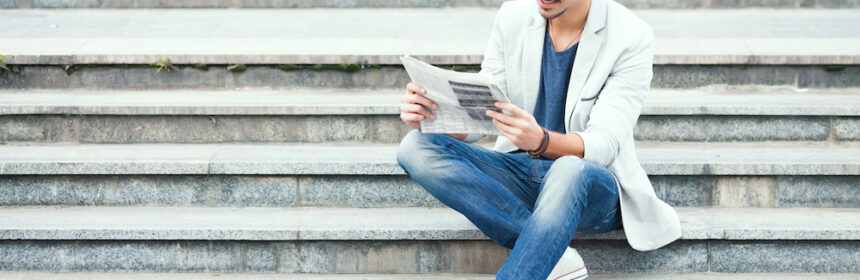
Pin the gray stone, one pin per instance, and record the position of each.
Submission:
(710, 101)
(425, 276)
(732, 128)
(803, 191)
(363, 191)
(230, 191)
(266, 77)
(797, 257)
(331, 159)
(846, 129)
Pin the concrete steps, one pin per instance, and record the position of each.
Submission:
(276, 45)
(371, 116)
(400, 240)
(438, 276)
(258, 175)
(281, 4)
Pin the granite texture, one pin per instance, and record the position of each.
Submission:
(363, 191)
(273, 224)
(268, 77)
(391, 191)
(847, 129)
(424, 276)
(662, 4)
(340, 159)
(709, 101)
(415, 257)
(798, 256)
(116, 129)
(732, 128)
(208, 191)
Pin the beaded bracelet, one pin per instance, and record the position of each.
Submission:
(544, 143)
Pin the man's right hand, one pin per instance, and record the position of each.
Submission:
(414, 106)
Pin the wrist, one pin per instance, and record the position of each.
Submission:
(542, 147)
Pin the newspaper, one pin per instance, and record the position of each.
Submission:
(462, 98)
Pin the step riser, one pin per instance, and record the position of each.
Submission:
(145, 4)
(391, 191)
(665, 76)
(416, 256)
(386, 129)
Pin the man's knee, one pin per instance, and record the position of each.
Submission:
(414, 147)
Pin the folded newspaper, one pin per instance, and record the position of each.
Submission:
(462, 98)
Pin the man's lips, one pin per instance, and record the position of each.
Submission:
(547, 3)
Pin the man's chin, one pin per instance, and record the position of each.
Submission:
(551, 14)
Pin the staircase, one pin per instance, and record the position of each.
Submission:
(268, 152)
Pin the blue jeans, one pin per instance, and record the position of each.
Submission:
(532, 206)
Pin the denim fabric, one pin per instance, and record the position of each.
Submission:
(532, 206)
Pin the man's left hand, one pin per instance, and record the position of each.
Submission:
(521, 127)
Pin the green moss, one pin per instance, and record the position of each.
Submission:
(346, 67)
(164, 64)
(238, 68)
(201, 66)
(833, 68)
(3, 63)
(464, 68)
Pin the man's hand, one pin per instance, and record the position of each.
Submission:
(521, 128)
(413, 106)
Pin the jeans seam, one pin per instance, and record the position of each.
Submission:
(486, 163)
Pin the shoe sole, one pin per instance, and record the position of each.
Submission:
(578, 274)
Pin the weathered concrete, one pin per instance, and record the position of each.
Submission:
(330, 159)
(391, 191)
(272, 224)
(380, 36)
(715, 100)
(155, 4)
(426, 276)
(393, 257)
(271, 77)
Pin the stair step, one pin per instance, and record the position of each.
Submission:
(323, 159)
(303, 4)
(273, 224)
(401, 241)
(429, 276)
(712, 101)
(334, 36)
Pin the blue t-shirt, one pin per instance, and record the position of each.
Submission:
(554, 79)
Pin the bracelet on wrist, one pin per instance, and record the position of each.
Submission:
(544, 143)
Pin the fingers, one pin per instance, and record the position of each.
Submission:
(416, 109)
(516, 111)
(413, 88)
(502, 117)
(508, 131)
(411, 117)
(418, 99)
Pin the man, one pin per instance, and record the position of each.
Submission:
(576, 72)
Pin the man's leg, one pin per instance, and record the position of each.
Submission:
(495, 191)
(574, 193)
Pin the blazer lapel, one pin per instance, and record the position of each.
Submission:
(532, 55)
(586, 54)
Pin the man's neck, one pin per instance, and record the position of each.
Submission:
(573, 19)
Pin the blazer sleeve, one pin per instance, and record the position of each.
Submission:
(615, 112)
(493, 65)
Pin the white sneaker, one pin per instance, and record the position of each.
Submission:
(569, 267)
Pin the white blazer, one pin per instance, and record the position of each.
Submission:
(611, 76)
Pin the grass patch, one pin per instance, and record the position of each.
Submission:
(164, 64)
(3, 63)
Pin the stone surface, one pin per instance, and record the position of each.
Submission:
(732, 128)
(797, 257)
(847, 129)
(403, 256)
(331, 159)
(273, 224)
(715, 100)
(426, 276)
(314, 36)
(684, 4)
(391, 191)
(269, 77)
(208, 191)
